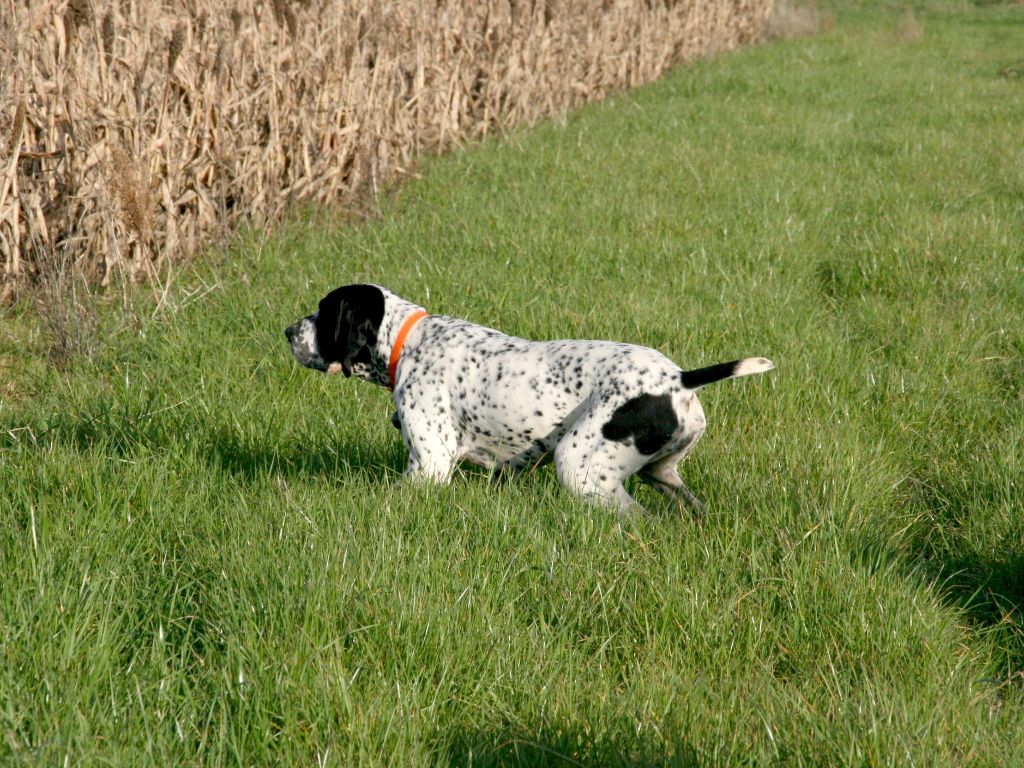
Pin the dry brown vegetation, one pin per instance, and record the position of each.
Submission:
(909, 29)
(132, 130)
(797, 19)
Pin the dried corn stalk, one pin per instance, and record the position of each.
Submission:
(132, 130)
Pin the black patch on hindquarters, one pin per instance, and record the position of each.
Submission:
(648, 419)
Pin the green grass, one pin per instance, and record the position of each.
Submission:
(205, 558)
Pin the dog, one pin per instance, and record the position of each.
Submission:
(602, 410)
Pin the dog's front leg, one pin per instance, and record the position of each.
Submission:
(430, 466)
(433, 448)
(428, 433)
(664, 477)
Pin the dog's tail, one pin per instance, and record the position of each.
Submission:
(703, 376)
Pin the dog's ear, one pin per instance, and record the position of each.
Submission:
(348, 324)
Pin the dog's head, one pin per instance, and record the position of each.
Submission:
(342, 334)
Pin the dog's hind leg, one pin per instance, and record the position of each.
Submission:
(663, 475)
(596, 468)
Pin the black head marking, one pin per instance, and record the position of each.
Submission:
(348, 324)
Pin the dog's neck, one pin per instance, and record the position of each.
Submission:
(396, 312)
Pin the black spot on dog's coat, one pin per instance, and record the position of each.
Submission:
(648, 419)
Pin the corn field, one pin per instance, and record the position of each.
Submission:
(133, 131)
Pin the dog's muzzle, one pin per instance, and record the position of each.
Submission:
(302, 340)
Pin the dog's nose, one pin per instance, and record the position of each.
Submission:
(289, 332)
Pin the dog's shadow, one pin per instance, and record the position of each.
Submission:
(377, 462)
(126, 431)
(382, 462)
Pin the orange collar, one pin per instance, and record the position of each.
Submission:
(396, 349)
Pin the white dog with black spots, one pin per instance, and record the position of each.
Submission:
(602, 410)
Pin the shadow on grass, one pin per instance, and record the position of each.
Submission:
(982, 578)
(990, 592)
(372, 461)
(970, 573)
(567, 745)
(123, 433)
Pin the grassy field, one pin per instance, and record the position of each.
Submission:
(205, 559)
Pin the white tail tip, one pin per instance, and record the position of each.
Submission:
(753, 365)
